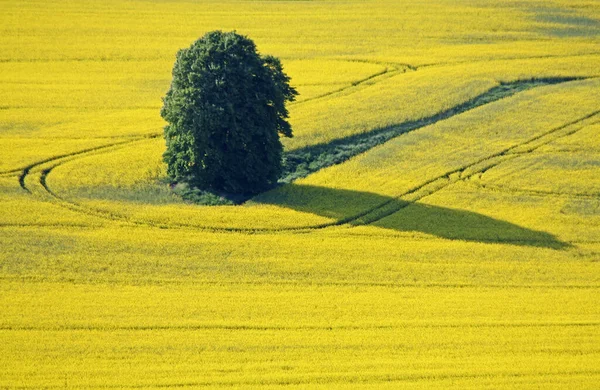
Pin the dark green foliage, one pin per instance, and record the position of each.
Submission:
(225, 111)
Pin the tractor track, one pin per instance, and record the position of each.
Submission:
(366, 217)
(466, 172)
(291, 328)
(390, 70)
(311, 283)
(477, 181)
(400, 380)
(26, 170)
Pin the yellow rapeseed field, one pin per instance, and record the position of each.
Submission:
(464, 253)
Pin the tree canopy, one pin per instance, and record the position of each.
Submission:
(225, 111)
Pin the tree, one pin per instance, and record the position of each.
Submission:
(225, 111)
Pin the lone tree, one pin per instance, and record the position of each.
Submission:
(225, 111)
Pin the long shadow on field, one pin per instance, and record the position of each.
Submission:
(359, 208)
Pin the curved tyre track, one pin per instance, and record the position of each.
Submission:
(532, 192)
(471, 170)
(365, 217)
(390, 70)
(43, 167)
(26, 170)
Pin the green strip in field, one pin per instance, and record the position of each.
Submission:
(302, 162)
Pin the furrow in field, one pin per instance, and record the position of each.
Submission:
(32, 179)
(350, 379)
(496, 187)
(77, 152)
(76, 207)
(371, 79)
(23, 172)
(250, 327)
(576, 166)
(44, 225)
(390, 70)
(519, 58)
(348, 283)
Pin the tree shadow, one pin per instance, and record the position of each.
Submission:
(358, 208)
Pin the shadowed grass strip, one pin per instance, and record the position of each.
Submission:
(302, 162)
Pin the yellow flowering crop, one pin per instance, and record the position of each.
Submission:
(462, 254)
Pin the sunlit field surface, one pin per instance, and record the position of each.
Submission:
(463, 253)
